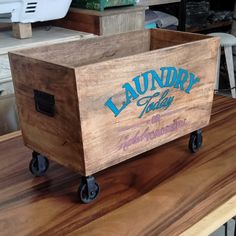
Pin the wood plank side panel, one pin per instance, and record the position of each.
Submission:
(79, 21)
(58, 137)
(123, 22)
(114, 20)
(108, 139)
(93, 50)
(168, 38)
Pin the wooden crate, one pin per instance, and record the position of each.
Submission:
(103, 100)
(111, 21)
(100, 5)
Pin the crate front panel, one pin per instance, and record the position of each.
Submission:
(119, 122)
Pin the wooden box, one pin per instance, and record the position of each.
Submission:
(111, 21)
(100, 5)
(93, 103)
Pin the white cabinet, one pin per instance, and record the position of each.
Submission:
(41, 36)
(5, 76)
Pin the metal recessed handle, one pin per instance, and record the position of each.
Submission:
(44, 103)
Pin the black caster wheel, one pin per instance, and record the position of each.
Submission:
(195, 141)
(88, 190)
(38, 165)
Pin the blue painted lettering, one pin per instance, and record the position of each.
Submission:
(193, 80)
(147, 102)
(168, 77)
(113, 107)
(129, 93)
(181, 79)
(139, 86)
(171, 76)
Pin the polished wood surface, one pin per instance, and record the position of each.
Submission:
(163, 192)
(84, 75)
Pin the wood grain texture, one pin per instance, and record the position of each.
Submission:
(92, 50)
(94, 70)
(176, 190)
(123, 22)
(79, 21)
(150, 215)
(108, 137)
(168, 38)
(57, 137)
(110, 21)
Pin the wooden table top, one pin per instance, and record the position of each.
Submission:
(165, 191)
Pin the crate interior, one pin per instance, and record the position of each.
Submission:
(98, 49)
